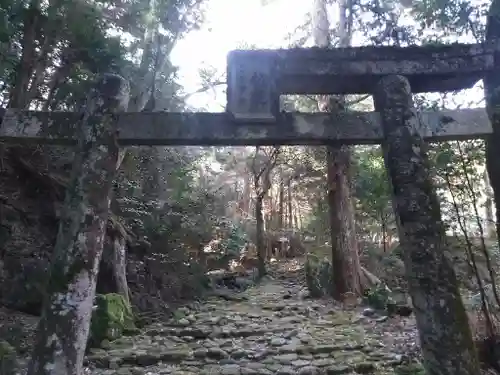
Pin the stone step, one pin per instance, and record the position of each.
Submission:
(319, 356)
(205, 332)
(297, 367)
(264, 334)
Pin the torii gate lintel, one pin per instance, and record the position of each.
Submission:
(205, 129)
(256, 78)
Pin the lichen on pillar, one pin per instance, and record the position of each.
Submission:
(63, 329)
(445, 335)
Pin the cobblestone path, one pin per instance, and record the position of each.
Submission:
(272, 329)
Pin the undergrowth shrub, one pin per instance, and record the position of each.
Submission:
(378, 297)
(318, 275)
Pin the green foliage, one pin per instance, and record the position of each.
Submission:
(371, 191)
(184, 216)
(80, 39)
(451, 16)
(231, 238)
(378, 297)
(318, 220)
(457, 173)
(459, 179)
(371, 184)
(319, 276)
(381, 298)
(398, 252)
(8, 358)
(312, 282)
(111, 319)
(190, 219)
(236, 240)
(372, 187)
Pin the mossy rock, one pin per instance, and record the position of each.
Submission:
(112, 318)
(378, 297)
(318, 276)
(410, 369)
(392, 303)
(8, 358)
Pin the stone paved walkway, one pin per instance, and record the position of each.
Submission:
(272, 330)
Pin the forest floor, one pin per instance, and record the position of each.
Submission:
(268, 329)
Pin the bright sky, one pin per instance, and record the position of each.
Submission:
(229, 23)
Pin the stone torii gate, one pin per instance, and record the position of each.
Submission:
(256, 79)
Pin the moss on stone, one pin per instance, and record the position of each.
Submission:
(410, 369)
(112, 318)
(378, 297)
(318, 276)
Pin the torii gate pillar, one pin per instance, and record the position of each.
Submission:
(438, 306)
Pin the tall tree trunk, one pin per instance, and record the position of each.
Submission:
(59, 76)
(271, 212)
(120, 266)
(296, 215)
(267, 222)
(63, 329)
(40, 66)
(142, 99)
(345, 258)
(246, 192)
(281, 214)
(344, 243)
(261, 246)
(24, 71)
(383, 228)
(488, 207)
(290, 209)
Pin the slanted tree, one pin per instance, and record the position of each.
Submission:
(63, 329)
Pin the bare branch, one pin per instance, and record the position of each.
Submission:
(204, 88)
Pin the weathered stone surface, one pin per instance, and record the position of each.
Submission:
(163, 128)
(338, 370)
(334, 345)
(356, 70)
(63, 329)
(260, 100)
(445, 334)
